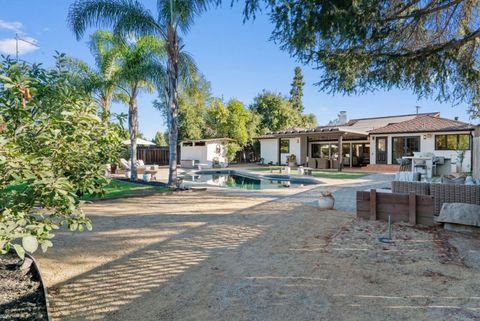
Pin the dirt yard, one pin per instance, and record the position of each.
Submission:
(211, 256)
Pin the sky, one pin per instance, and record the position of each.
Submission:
(237, 58)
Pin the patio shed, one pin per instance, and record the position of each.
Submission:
(207, 153)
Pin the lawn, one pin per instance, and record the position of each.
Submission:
(116, 189)
(323, 174)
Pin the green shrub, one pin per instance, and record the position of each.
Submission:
(53, 149)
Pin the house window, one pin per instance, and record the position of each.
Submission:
(200, 144)
(452, 142)
(284, 146)
(404, 146)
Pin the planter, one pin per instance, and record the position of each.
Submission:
(147, 177)
(326, 201)
(22, 292)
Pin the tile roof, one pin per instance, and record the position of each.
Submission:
(359, 126)
(423, 123)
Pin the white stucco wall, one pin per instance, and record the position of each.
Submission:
(427, 144)
(295, 147)
(205, 154)
(194, 153)
(269, 150)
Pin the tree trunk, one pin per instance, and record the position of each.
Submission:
(172, 72)
(105, 110)
(133, 128)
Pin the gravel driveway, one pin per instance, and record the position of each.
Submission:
(213, 256)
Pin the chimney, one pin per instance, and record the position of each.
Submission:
(342, 117)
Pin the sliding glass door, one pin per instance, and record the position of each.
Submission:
(404, 146)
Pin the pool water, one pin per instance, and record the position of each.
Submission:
(237, 180)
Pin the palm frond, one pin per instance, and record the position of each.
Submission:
(181, 13)
(126, 16)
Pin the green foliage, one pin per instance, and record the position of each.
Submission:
(276, 113)
(161, 139)
(232, 149)
(193, 99)
(53, 150)
(216, 119)
(131, 18)
(429, 46)
(296, 93)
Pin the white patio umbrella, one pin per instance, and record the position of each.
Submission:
(139, 142)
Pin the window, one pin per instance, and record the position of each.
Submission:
(452, 142)
(200, 144)
(404, 146)
(284, 146)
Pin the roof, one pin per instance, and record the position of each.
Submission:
(424, 123)
(359, 126)
(207, 140)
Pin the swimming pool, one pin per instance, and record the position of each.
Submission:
(234, 179)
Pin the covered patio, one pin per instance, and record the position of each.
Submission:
(322, 147)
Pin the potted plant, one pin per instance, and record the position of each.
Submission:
(326, 201)
(292, 160)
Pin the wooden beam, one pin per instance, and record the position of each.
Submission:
(351, 155)
(373, 204)
(412, 208)
(340, 153)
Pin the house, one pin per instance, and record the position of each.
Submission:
(204, 152)
(379, 141)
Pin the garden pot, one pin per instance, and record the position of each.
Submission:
(326, 202)
(147, 177)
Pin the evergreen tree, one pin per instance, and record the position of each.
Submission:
(296, 92)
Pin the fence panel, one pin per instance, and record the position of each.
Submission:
(415, 209)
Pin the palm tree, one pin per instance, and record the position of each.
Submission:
(102, 80)
(140, 70)
(130, 17)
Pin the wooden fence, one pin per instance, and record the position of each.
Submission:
(411, 208)
(153, 155)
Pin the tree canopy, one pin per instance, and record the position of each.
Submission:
(277, 113)
(428, 46)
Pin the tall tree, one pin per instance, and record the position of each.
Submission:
(160, 139)
(139, 71)
(296, 93)
(275, 112)
(102, 80)
(130, 17)
(429, 46)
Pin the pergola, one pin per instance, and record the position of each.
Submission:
(327, 133)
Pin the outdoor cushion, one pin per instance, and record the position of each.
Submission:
(453, 180)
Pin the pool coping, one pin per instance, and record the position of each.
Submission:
(254, 175)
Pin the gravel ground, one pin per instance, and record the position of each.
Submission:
(21, 294)
(215, 256)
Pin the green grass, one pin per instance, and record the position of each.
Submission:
(119, 189)
(323, 173)
(338, 175)
(115, 189)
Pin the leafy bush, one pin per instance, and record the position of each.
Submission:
(53, 149)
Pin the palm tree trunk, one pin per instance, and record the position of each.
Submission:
(133, 128)
(172, 71)
(105, 109)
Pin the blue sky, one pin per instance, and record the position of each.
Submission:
(238, 59)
